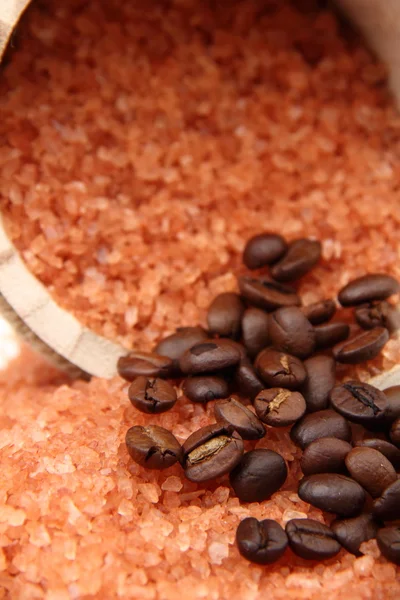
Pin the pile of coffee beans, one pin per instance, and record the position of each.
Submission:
(264, 348)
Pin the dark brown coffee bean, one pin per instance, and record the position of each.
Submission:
(320, 312)
(233, 412)
(152, 395)
(325, 455)
(371, 469)
(395, 433)
(261, 542)
(267, 293)
(205, 388)
(211, 452)
(378, 314)
(368, 288)
(245, 380)
(153, 447)
(290, 331)
(359, 402)
(278, 369)
(176, 344)
(321, 424)
(225, 314)
(209, 356)
(301, 257)
(393, 396)
(259, 474)
(351, 533)
(387, 507)
(255, 330)
(361, 347)
(311, 539)
(147, 364)
(329, 334)
(263, 249)
(388, 539)
(321, 378)
(278, 407)
(386, 448)
(333, 493)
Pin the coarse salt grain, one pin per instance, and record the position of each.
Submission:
(218, 552)
(172, 484)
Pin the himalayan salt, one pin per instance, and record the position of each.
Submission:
(12, 516)
(149, 492)
(172, 484)
(363, 566)
(218, 552)
(370, 548)
(302, 581)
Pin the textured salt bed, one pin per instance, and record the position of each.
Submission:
(139, 147)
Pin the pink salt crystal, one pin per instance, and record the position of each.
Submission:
(218, 552)
(3, 560)
(12, 516)
(172, 484)
(58, 465)
(340, 579)
(363, 566)
(149, 492)
(384, 572)
(38, 535)
(292, 514)
(57, 594)
(125, 509)
(370, 548)
(303, 581)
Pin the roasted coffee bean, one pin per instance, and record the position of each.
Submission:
(333, 493)
(225, 314)
(278, 369)
(259, 474)
(177, 343)
(233, 412)
(263, 249)
(211, 452)
(359, 402)
(320, 312)
(209, 356)
(301, 257)
(351, 533)
(378, 314)
(152, 395)
(386, 448)
(325, 455)
(371, 469)
(395, 433)
(246, 381)
(321, 378)
(255, 330)
(329, 334)
(153, 447)
(311, 539)
(321, 424)
(388, 539)
(147, 364)
(290, 331)
(205, 388)
(387, 507)
(367, 289)
(279, 407)
(261, 542)
(267, 293)
(393, 396)
(361, 347)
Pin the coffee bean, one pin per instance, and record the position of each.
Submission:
(147, 364)
(329, 334)
(209, 356)
(320, 312)
(259, 474)
(368, 288)
(205, 388)
(245, 380)
(267, 293)
(393, 396)
(152, 395)
(325, 455)
(301, 257)
(261, 542)
(361, 347)
(351, 533)
(386, 448)
(333, 493)
(321, 424)
(211, 452)
(321, 378)
(255, 330)
(311, 539)
(378, 314)
(359, 402)
(279, 369)
(177, 343)
(278, 407)
(233, 412)
(153, 447)
(395, 433)
(263, 249)
(225, 314)
(387, 507)
(371, 469)
(388, 539)
(290, 331)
